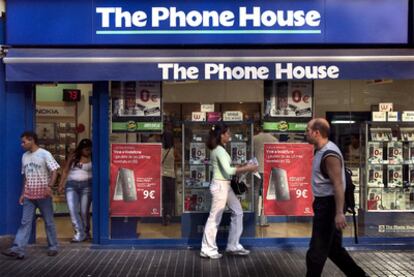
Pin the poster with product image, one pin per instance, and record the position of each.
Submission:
(395, 152)
(394, 176)
(375, 176)
(238, 152)
(287, 179)
(375, 152)
(135, 180)
(197, 176)
(136, 99)
(197, 152)
(134, 102)
(289, 99)
(374, 199)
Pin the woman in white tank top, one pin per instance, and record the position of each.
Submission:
(76, 180)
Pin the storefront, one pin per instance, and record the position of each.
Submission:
(151, 68)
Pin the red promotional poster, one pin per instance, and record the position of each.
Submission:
(287, 179)
(135, 180)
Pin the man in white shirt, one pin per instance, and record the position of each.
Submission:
(39, 170)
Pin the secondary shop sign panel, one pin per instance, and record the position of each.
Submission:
(25, 64)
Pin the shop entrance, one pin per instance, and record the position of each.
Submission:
(63, 124)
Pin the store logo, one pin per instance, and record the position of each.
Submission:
(246, 20)
(131, 126)
(283, 126)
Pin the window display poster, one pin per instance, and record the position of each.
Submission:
(287, 179)
(197, 175)
(134, 102)
(411, 175)
(395, 176)
(288, 99)
(375, 152)
(374, 199)
(135, 185)
(395, 152)
(238, 152)
(375, 176)
(197, 152)
(198, 200)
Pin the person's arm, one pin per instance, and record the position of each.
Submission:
(64, 176)
(52, 166)
(224, 162)
(53, 177)
(230, 170)
(247, 168)
(334, 171)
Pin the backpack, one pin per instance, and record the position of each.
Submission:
(349, 197)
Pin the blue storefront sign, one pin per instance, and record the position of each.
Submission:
(184, 65)
(109, 22)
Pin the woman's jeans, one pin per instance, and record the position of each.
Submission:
(79, 199)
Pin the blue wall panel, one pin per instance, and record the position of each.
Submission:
(100, 137)
(17, 115)
(3, 184)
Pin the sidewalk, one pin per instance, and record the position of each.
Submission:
(81, 260)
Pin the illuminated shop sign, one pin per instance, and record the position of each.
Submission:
(173, 18)
(110, 22)
(220, 71)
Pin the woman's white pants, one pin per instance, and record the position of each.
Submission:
(222, 194)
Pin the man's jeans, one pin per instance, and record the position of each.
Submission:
(23, 234)
(79, 199)
(326, 241)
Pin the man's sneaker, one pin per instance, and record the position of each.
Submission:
(239, 252)
(11, 253)
(213, 257)
(52, 253)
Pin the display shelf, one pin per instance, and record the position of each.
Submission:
(196, 166)
(387, 168)
(403, 187)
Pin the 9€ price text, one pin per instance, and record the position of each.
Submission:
(302, 193)
(149, 194)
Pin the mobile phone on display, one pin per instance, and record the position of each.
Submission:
(278, 185)
(390, 176)
(371, 152)
(234, 153)
(126, 180)
(371, 176)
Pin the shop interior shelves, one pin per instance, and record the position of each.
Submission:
(197, 170)
(387, 168)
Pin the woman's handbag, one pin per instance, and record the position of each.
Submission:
(239, 187)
